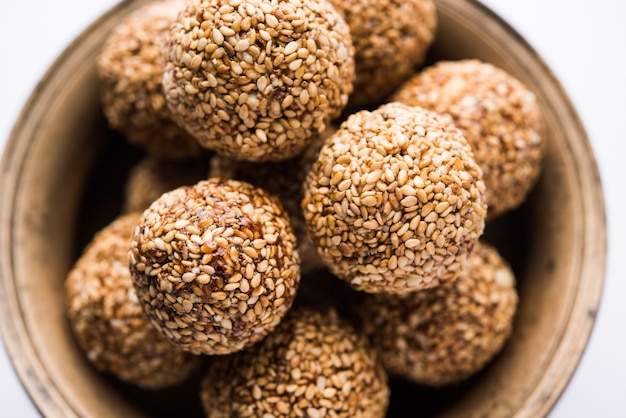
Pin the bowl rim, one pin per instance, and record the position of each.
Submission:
(574, 339)
(46, 398)
(50, 401)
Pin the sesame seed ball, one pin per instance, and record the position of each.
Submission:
(215, 265)
(395, 201)
(391, 38)
(130, 68)
(284, 180)
(152, 176)
(441, 336)
(313, 365)
(255, 80)
(499, 116)
(108, 322)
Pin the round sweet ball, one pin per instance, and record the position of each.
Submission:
(151, 176)
(391, 38)
(395, 201)
(215, 265)
(255, 80)
(499, 116)
(284, 180)
(313, 365)
(442, 336)
(130, 68)
(107, 319)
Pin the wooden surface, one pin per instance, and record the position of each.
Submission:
(556, 241)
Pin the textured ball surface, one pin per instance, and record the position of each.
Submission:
(130, 67)
(313, 365)
(215, 265)
(391, 38)
(395, 201)
(255, 80)
(442, 336)
(107, 319)
(499, 116)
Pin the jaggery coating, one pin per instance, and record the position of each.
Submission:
(313, 365)
(391, 38)
(130, 68)
(442, 336)
(215, 265)
(499, 116)
(256, 80)
(151, 176)
(284, 180)
(395, 201)
(108, 321)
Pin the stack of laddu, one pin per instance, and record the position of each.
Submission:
(285, 141)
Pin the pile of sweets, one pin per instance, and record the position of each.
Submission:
(262, 168)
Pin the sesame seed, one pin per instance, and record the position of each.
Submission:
(242, 45)
(217, 36)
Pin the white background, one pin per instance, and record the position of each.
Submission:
(583, 42)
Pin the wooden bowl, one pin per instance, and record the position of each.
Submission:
(62, 177)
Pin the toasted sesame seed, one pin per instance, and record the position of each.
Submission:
(291, 47)
(256, 392)
(409, 201)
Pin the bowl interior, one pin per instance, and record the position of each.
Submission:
(63, 175)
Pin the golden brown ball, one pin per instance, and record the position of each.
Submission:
(391, 38)
(215, 265)
(108, 321)
(499, 116)
(130, 68)
(256, 80)
(442, 336)
(313, 365)
(395, 200)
